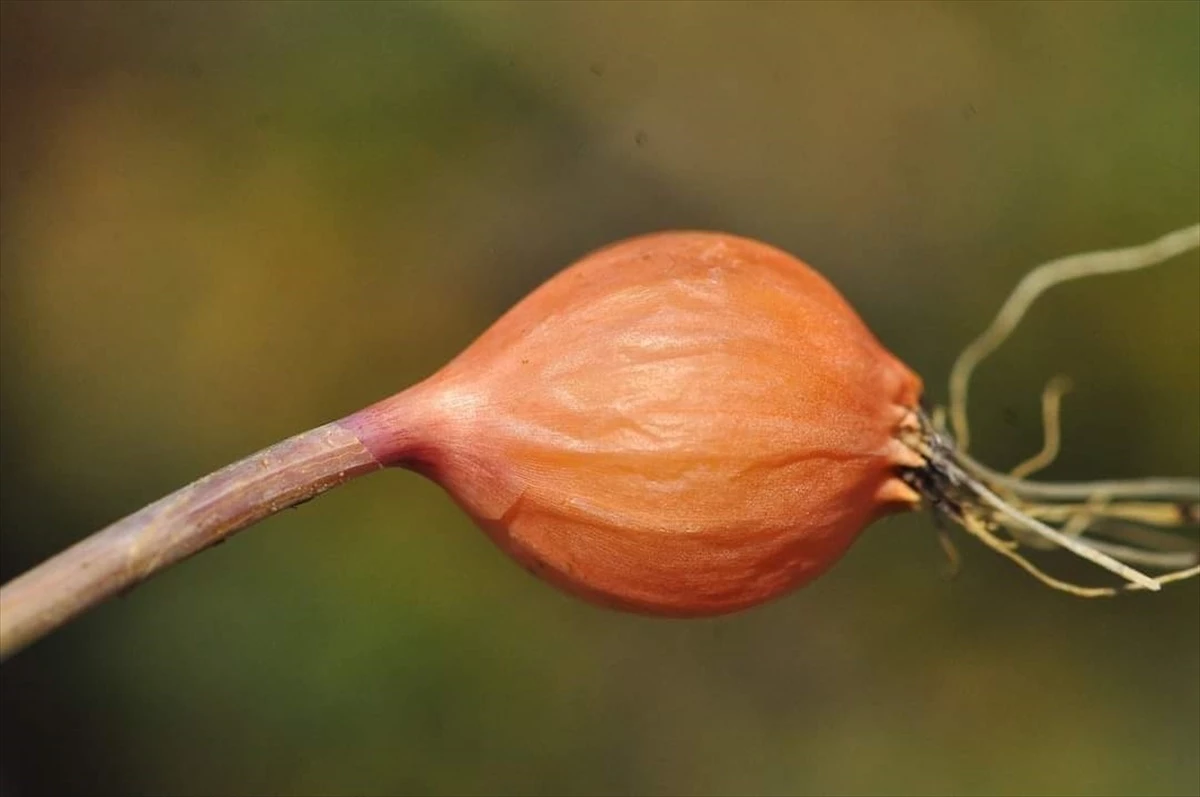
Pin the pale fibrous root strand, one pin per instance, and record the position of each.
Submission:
(1129, 528)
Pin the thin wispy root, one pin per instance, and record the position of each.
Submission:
(1117, 525)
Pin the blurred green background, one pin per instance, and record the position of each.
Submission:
(223, 223)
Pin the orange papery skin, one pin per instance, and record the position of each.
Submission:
(681, 424)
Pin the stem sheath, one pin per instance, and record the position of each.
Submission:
(183, 523)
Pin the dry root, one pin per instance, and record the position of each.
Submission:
(1118, 525)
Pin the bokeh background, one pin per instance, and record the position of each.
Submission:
(223, 223)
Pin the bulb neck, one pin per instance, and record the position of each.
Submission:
(399, 431)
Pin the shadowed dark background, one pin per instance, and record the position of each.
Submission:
(223, 223)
